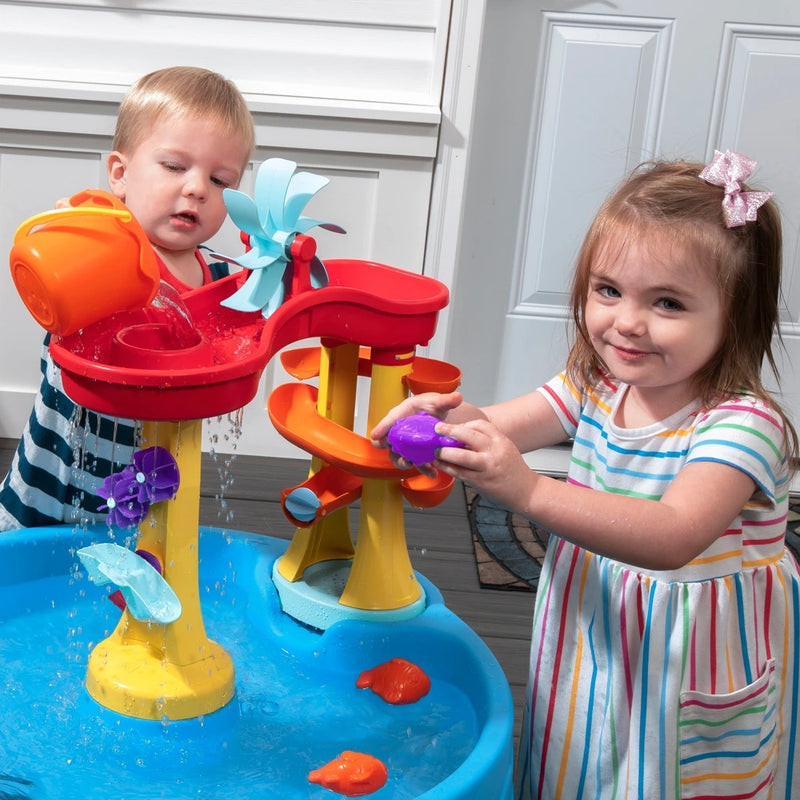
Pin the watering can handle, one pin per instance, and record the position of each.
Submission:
(58, 213)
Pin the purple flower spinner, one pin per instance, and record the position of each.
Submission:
(121, 493)
(415, 439)
(152, 477)
(156, 473)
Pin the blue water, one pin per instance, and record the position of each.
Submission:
(296, 705)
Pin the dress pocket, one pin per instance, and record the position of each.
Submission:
(728, 742)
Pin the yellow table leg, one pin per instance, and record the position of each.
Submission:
(173, 671)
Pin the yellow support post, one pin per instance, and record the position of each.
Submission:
(173, 671)
(329, 537)
(381, 576)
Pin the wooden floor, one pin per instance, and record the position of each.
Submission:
(243, 493)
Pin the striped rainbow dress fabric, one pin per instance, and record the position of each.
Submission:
(678, 684)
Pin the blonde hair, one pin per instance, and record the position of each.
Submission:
(667, 200)
(182, 92)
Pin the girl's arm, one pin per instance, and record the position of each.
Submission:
(696, 509)
(449, 406)
(529, 421)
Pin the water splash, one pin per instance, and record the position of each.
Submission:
(228, 429)
(168, 308)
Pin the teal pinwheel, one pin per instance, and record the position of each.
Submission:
(272, 218)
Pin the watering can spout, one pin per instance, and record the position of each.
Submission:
(75, 266)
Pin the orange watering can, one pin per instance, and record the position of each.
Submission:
(75, 266)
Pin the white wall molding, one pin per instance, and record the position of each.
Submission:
(341, 50)
(443, 252)
(404, 13)
(49, 107)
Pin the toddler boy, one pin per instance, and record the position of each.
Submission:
(183, 134)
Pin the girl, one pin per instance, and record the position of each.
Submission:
(664, 660)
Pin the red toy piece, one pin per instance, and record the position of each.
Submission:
(397, 681)
(390, 310)
(352, 774)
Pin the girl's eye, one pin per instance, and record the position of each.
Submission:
(668, 304)
(607, 291)
(172, 167)
(223, 184)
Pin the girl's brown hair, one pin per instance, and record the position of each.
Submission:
(668, 200)
(182, 92)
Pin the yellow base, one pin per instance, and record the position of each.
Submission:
(172, 671)
(132, 679)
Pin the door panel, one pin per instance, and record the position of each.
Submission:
(596, 93)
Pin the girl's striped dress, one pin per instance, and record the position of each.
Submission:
(679, 684)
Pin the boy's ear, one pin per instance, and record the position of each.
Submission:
(116, 167)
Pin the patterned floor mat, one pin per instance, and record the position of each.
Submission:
(509, 549)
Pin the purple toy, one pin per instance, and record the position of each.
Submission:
(152, 477)
(156, 473)
(415, 440)
(120, 492)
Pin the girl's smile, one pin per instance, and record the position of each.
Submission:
(655, 318)
(632, 355)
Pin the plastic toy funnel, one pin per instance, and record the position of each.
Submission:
(60, 255)
(155, 345)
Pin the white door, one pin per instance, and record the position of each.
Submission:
(570, 96)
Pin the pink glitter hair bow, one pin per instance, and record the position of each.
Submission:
(728, 170)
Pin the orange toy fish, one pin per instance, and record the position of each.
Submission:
(352, 774)
(397, 681)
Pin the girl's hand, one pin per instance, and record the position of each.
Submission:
(438, 405)
(491, 463)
